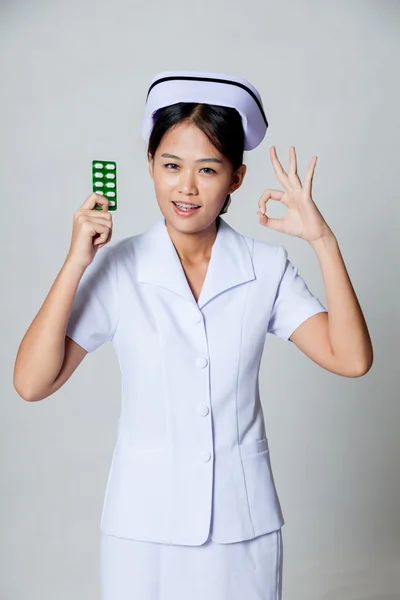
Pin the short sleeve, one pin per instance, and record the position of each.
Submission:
(94, 312)
(294, 303)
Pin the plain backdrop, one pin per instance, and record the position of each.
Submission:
(74, 79)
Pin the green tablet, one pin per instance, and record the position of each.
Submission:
(104, 179)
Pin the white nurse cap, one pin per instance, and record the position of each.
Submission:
(170, 87)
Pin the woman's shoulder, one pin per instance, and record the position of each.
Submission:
(124, 246)
(143, 240)
(264, 250)
(268, 258)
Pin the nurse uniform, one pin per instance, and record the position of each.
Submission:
(191, 510)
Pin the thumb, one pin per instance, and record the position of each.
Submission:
(274, 224)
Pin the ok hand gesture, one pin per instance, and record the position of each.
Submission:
(303, 219)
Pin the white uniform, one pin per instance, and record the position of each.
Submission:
(190, 489)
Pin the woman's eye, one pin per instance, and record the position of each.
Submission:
(174, 165)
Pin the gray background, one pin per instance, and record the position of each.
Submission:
(74, 79)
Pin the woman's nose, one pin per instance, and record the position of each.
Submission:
(187, 184)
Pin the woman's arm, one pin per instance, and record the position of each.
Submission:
(45, 359)
(41, 354)
(339, 340)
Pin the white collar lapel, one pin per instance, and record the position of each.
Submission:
(158, 262)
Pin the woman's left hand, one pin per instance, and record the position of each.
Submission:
(303, 218)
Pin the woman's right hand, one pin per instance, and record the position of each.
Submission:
(92, 229)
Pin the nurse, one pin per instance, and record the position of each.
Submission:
(191, 510)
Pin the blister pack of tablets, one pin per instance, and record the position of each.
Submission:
(104, 178)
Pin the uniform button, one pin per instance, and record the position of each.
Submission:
(203, 410)
(201, 362)
(197, 317)
(206, 456)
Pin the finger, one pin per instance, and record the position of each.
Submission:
(308, 179)
(293, 176)
(269, 195)
(107, 240)
(94, 216)
(94, 199)
(101, 215)
(103, 237)
(98, 231)
(275, 224)
(100, 222)
(279, 170)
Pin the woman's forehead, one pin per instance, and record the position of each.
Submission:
(189, 142)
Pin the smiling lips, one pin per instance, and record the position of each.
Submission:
(186, 205)
(183, 208)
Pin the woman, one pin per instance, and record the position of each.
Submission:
(191, 509)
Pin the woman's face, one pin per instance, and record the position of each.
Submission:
(188, 169)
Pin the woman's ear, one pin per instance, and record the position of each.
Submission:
(150, 159)
(237, 178)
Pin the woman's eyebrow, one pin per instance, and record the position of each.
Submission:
(216, 160)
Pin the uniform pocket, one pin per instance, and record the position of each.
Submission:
(264, 505)
(254, 447)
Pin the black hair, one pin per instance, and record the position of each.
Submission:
(221, 124)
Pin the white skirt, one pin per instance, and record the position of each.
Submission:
(136, 570)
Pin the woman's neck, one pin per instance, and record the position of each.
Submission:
(195, 247)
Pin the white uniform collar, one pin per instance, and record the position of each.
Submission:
(158, 262)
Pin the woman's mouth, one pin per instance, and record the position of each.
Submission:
(185, 209)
